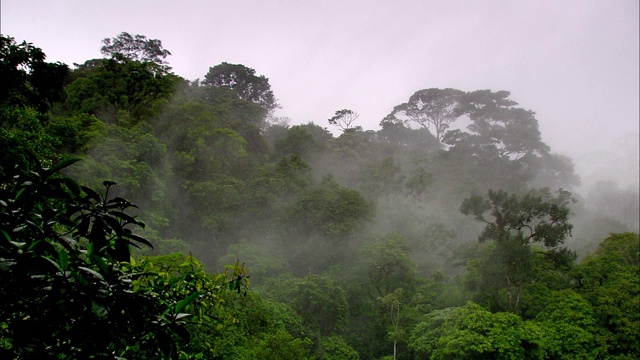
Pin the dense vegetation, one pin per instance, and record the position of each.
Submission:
(447, 234)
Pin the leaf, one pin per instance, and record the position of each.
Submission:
(63, 260)
(68, 242)
(127, 218)
(83, 227)
(114, 224)
(6, 235)
(130, 243)
(91, 194)
(123, 201)
(181, 305)
(182, 316)
(92, 272)
(72, 185)
(61, 165)
(57, 266)
(139, 239)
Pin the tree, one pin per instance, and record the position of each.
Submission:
(425, 335)
(136, 48)
(609, 279)
(381, 179)
(556, 171)
(392, 303)
(406, 138)
(343, 119)
(335, 348)
(568, 325)
(303, 140)
(119, 91)
(472, 332)
(418, 182)
(429, 108)
(498, 128)
(27, 80)
(330, 210)
(387, 266)
(515, 224)
(321, 302)
(244, 81)
(282, 346)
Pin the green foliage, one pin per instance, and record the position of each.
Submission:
(471, 332)
(386, 265)
(26, 141)
(352, 146)
(318, 299)
(74, 134)
(609, 280)
(214, 201)
(568, 327)
(535, 217)
(69, 288)
(27, 80)
(302, 140)
(119, 91)
(194, 300)
(217, 176)
(424, 336)
(330, 210)
(129, 156)
(335, 348)
(282, 346)
(418, 182)
(263, 262)
(64, 291)
(382, 179)
(515, 224)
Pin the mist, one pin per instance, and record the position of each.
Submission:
(382, 172)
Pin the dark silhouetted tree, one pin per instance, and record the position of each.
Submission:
(136, 47)
(433, 109)
(344, 119)
(244, 81)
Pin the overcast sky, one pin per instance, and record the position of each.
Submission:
(575, 63)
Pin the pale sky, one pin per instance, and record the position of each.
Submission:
(574, 62)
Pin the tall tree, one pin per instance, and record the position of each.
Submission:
(433, 109)
(498, 128)
(513, 224)
(344, 119)
(119, 90)
(136, 47)
(244, 81)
